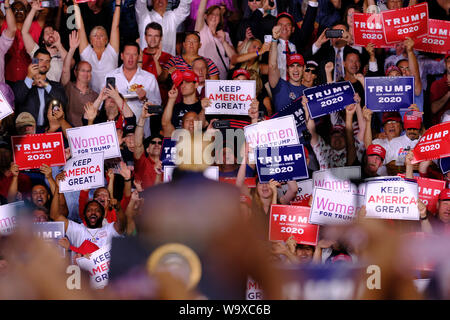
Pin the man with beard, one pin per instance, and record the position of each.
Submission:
(93, 214)
(36, 91)
(49, 40)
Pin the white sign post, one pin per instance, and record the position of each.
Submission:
(84, 172)
(230, 96)
(392, 200)
(96, 138)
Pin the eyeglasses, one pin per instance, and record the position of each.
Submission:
(156, 142)
(18, 10)
(310, 70)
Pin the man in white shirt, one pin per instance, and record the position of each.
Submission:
(169, 20)
(135, 84)
(94, 213)
(399, 147)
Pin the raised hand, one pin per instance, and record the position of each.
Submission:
(46, 171)
(124, 171)
(367, 114)
(14, 168)
(329, 66)
(90, 111)
(74, 40)
(276, 31)
(173, 93)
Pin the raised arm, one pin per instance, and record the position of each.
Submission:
(115, 31)
(166, 120)
(350, 139)
(200, 22)
(274, 72)
(74, 42)
(360, 119)
(55, 210)
(125, 172)
(367, 115)
(310, 124)
(10, 20)
(238, 58)
(26, 36)
(413, 65)
(121, 223)
(329, 66)
(124, 108)
(84, 42)
(14, 186)
(139, 132)
(291, 192)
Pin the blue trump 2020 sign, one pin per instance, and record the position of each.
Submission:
(389, 93)
(281, 163)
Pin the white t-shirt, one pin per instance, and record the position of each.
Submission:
(78, 232)
(100, 68)
(399, 147)
(141, 77)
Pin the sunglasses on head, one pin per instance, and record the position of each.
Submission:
(156, 142)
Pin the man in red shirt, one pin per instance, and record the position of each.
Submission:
(440, 94)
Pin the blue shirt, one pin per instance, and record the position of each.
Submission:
(284, 93)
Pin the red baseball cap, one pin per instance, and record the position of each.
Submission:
(190, 76)
(177, 78)
(391, 116)
(295, 58)
(445, 194)
(392, 68)
(376, 150)
(239, 72)
(412, 120)
(285, 15)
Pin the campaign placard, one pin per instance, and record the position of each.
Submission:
(392, 200)
(328, 98)
(295, 108)
(95, 138)
(168, 152)
(429, 190)
(304, 192)
(33, 150)
(5, 107)
(50, 231)
(434, 144)
(281, 163)
(211, 172)
(438, 38)
(388, 93)
(406, 22)
(8, 217)
(230, 96)
(97, 266)
(286, 221)
(368, 28)
(330, 207)
(337, 179)
(82, 173)
(272, 133)
(254, 290)
(444, 164)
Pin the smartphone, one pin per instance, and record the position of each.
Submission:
(268, 38)
(221, 124)
(155, 109)
(110, 81)
(338, 33)
(35, 61)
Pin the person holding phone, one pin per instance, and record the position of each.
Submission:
(101, 54)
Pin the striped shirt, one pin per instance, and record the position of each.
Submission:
(182, 65)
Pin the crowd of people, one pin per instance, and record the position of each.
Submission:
(79, 64)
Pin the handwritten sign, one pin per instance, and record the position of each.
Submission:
(84, 172)
(272, 133)
(281, 163)
(438, 38)
(389, 93)
(96, 138)
(331, 207)
(328, 98)
(368, 28)
(392, 200)
(97, 266)
(33, 150)
(434, 144)
(230, 96)
(406, 22)
(286, 221)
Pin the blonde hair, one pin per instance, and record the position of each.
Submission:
(99, 28)
(246, 65)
